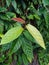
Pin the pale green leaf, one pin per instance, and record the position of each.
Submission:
(11, 35)
(36, 34)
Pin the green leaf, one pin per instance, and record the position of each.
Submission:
(29, 36)
(30, 17)
(11, 35)
(23, 4)
(46, 15)
(3, 9)
(36, 16)
(27, 49)
(1, 26)
(25, 61)
(14, 4)
(45, 2)
(2, 58)
(6, 47)
(17, 45)
(11, 14)
(36, 34)
(8, 2)
(1, 35)
(5, 17)
(19, 60)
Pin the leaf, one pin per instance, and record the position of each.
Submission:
(27, 49)
(25, 61)
(19, 61)
(3, 9)
(11, 35)
(29, 36)
(23, 4)
(8, 2)
(45, 2)
(14, 4)
(17, 45)
(6, 47)
(18, 11)
(19, 20)
(30, 17)
(1, 35)
(1, 26)
(36, 34)
(2, 58)
(36, 16)
(11, 14)
(46, 15)
(5, 17)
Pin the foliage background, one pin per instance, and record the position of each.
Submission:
(35, 12)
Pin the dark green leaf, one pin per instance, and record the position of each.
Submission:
(11, 14)
(1, 26)
(28, 36)
(25, 61)
(27, 49)
(17, 45)
(14, 4)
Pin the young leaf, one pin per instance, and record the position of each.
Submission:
(11, 35)
(36, 34)
(19, 20)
